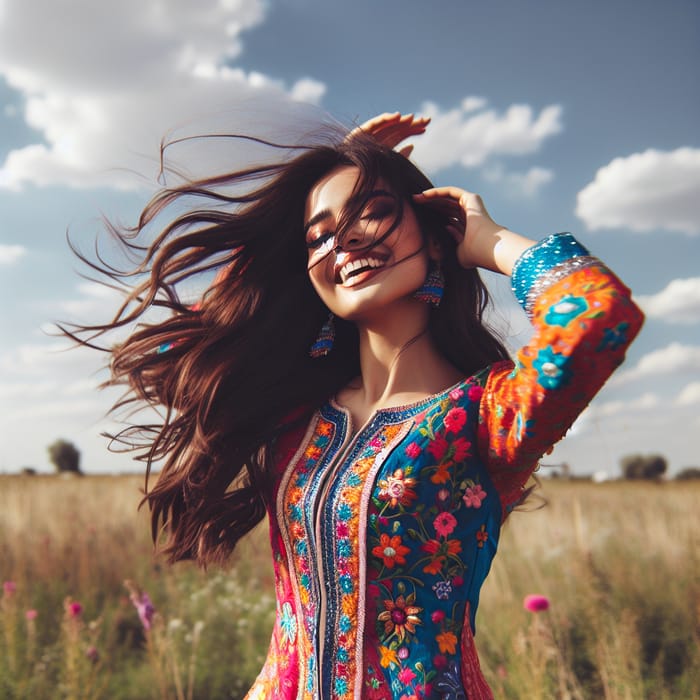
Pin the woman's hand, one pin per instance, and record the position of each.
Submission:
(481, 242)
(391, 129)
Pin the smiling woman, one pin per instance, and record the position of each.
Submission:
(337, 377)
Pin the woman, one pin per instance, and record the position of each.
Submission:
(338, 376)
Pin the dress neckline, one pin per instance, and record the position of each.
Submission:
(413, 405)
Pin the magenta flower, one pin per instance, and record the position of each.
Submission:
(406, 676)
(9, 588)
(444, 524)
(74, 609)
(455, 420)
(536, 603)
(31, 614)
(413, 450)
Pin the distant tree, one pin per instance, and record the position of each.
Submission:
(65, 457)
(651, 467)
(688, 473)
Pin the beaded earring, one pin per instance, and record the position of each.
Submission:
(325, 339)
(434, 286)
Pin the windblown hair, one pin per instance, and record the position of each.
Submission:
(233, 374)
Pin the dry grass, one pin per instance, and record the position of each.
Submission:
(618, 561)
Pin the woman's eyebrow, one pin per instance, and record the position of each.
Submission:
(323, 214)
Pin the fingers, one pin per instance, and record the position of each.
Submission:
(391, 128)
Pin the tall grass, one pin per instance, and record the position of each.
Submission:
(618, 562)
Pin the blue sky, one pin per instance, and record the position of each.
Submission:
(563, 116)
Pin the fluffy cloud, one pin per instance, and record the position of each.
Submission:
(10, 254)
(675, 358)
(102, 82)
(470, 134)
(678, 302)
(645, 192)
(690, 395)
(526, 184)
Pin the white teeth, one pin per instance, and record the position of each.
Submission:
(358, 265)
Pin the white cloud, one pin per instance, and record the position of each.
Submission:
(619, 407)
(10, 254)
(645, 192)
(690, 395)
(526, 184)
(675, 358)
(678, 302)
(470, 135)
(103, 83)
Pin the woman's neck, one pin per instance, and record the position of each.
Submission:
(399, 364)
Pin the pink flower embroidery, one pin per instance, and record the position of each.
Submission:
(438, 447)
(475, 392)
(406, 676)
(444, 524)
(413, 451)
(462, 448)
(456, 394)
(397, 489)
(473, 496)
(455, 419)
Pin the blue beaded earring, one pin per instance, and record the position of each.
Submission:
(434, 286)
(325, 339)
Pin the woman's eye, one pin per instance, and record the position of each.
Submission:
(320, 241)
(378, 212)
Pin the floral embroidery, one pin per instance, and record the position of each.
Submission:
(613, 338)
(473, 496)
(391, 550)
(288, 623)
(397, 489)
(444, 524)
(552, 369)
(482, 536)
(565, 310)
(400, 616)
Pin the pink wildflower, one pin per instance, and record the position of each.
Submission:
(31, 614)
(536, 603)
(9, 588)
(92, 654)
(144, 607)
(75, 609)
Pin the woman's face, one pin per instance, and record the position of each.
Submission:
(366, 270)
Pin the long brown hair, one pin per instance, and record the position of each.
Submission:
(233, 374)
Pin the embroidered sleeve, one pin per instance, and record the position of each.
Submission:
(583, 321)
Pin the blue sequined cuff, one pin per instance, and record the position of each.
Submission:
(540, 258)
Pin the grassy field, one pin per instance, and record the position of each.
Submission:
(619, 563)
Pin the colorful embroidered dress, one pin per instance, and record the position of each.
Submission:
(383, 537)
